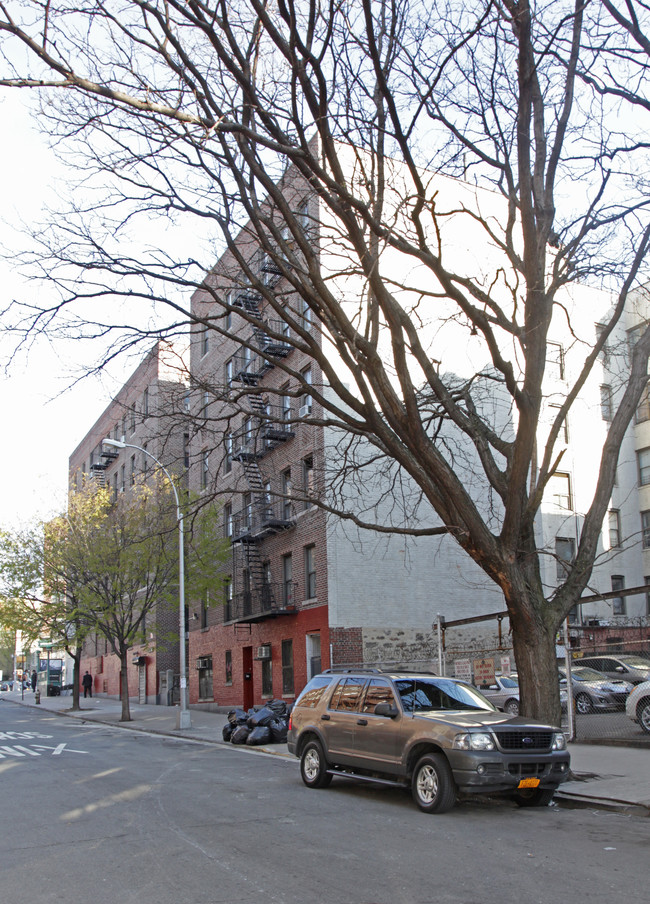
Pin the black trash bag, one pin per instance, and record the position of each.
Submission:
(259, 735)
(261, 717)
(279, 728)
(227, 731)
(279, 707)
(240, 734)
(237, 717)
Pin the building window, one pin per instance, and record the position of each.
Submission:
(286, 495)
(145, 460)
(310, 572)
(645, 529)
(287, 580)
(133, 418)
(560, 490)
(555, 360)
(248, 510)
(564, 554)
(186, 450)
(606, 407)
(643, 465)
(227, 604)
(614, 523)
(618, 602)
(123, 478)
(205, 464)
(305, 398)
(145, 402)
(287, 667)
(563, 432)
(227, 465)
(605, 351)
(308, 480)
(227, 519)
(205, 401)
(229, 373)
(305, 315)
(133, 470)
(285, 400)
(314, 665)
(205, 342)
(267, 678)
(643, 411)
(228, 667)
(203, 618)
(647, 594)
(634, 335)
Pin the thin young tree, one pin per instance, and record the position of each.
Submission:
(231, 114)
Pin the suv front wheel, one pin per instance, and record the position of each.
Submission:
(313, 766)
(433, 785)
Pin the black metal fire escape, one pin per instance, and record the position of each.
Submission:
(264, 512)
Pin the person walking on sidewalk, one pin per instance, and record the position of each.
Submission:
(34, 680)
(87, 684)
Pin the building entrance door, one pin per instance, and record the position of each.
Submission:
(249, 690)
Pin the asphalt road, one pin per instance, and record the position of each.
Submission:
(94, 814)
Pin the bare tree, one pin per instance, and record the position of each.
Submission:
(232, 114)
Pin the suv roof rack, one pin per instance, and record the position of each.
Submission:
(345, 671)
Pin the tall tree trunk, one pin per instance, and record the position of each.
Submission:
(124, 687)
(533, 639)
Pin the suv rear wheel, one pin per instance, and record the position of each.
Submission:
(313, 766)
(433, 785)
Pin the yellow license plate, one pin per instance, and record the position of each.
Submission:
(528, 783)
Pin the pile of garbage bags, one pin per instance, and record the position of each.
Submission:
(266, 724)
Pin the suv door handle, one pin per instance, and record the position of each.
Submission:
(362, 721)
(325, 717)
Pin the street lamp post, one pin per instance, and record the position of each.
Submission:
(184, 718)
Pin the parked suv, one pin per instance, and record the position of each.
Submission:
(437, 735)
(628, 666)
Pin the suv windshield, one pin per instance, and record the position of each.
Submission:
(426, 694)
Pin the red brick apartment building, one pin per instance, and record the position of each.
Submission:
(265, 632)
(148, 411)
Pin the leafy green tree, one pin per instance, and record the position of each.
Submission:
(104, 567)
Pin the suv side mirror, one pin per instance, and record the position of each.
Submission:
(386, 709)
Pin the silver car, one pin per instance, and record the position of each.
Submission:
(638, 705)
(592, 692)
(504, 693)
(626, 666)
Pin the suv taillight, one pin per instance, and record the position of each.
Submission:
(290, 718)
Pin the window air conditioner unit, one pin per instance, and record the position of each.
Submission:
(304, 410)
(263, 652)
(203, 663)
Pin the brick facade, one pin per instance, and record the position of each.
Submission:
(147, 412)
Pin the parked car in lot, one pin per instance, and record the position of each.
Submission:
(593, 692)
(637, 705)
(436, 735)
(628, 666)
(504, 693)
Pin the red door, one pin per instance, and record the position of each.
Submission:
(247, 662)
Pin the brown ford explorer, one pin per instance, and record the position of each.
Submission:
(438, 735)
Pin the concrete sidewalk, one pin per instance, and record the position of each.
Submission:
(604, 777)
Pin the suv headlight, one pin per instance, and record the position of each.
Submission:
(559, 741)
(474, 741)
